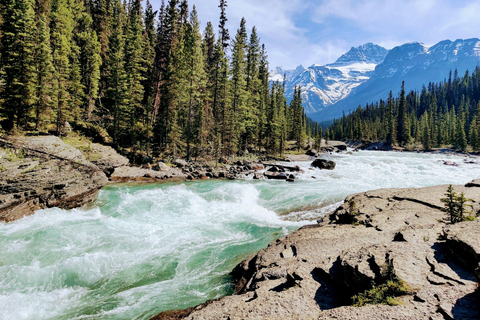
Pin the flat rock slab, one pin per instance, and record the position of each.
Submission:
(44, 172)
(311, 273)
(134, 174)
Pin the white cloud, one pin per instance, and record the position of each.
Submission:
(319, 31)
(396, 22)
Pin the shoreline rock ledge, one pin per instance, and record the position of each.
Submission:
(313, 272)
(44, 172)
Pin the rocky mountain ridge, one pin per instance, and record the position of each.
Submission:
(325, 85)
(367, 73)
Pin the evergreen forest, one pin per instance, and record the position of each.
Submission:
(145, 81)
(445, 114)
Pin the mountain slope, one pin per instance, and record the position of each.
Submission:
(414, 63)
(323, 86)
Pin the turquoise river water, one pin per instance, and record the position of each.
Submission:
(141, 249)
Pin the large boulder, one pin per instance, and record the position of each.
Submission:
(106, 158)
(44, 172)
(180, 163)
(275, 175)
(324, 164)
(312, 153)
(163, 167)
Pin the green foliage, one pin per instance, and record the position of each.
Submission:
(151, 82)
(457, 206)
(18, 72)
(441, 115)
(14, 156)
(385, 293)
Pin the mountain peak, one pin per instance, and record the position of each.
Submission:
(368, 53)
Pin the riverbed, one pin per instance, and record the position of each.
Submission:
(142, 249)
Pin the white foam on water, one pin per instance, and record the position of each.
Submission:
(143, 249)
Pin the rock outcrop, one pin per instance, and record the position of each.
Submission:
(135, 174)
(313, 272)
(44, 172)
(323, 164)
(107, 159)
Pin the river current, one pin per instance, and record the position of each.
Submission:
(142, 249)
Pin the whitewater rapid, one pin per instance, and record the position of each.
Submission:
(141, 249)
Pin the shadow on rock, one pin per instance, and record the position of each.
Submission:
(327, 296)
(467, 307)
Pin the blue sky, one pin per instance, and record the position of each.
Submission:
(319, 31)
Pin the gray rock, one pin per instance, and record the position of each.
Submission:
(163, 167)
(275, 175)
(308, 274)
(46, 173)
(106, 157)
(180, 163)
(323, 164)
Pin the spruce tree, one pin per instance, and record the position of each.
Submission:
(88, 50)
(403, 130)
(61, 32)
(149, 75)
(45, 76)
(116, 99)
(135, 69)
(17, 52)
(224, 34)
(241, 114)
(199, 113)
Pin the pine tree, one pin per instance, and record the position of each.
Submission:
(135, 69)
(199, 113)
(149, 75)
(61, 31)
(88, 50)
(426, 135)
(403, 130)
(241, 114)
(45, 76)
(224, 34)
(17, 51)
(391, 126)
(116, 77)
(461, 138)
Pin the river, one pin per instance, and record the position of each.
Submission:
(141, 249)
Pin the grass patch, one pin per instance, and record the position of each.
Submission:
(386, 293)
(15, 156)
(84, 145)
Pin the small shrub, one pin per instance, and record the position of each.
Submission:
(349, 214)
(385, 293)
(458, 207)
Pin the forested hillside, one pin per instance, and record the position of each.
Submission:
(144, 80)
(443, 114)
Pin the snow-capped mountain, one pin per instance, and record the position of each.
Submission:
(415, 63)
(323, 86)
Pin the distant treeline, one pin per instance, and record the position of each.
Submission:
(443, 114)
(144, 80)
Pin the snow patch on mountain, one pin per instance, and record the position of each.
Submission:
(322, 86)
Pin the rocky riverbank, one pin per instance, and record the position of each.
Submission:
(399, 234)
(40, 172)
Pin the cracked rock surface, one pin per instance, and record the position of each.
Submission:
(313, 272)
(44, 172)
